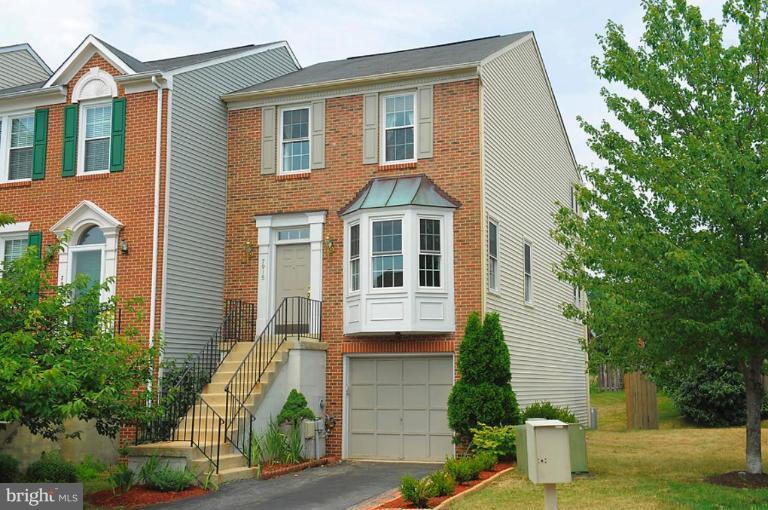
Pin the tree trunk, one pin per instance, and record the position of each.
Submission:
(753, 380)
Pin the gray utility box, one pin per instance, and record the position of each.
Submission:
(549, 454)
(313, 437)
(577, 442)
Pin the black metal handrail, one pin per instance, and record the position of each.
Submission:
(296, 317)
(180, 389)
(205, 430)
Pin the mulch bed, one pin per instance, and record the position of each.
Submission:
(140, 496)
(274, 470)
(400, 502)
(740, 480)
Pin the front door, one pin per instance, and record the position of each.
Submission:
(292, 280)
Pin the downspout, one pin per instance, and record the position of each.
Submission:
(156, 217)
(483, 215)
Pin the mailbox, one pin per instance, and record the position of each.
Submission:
(549, 456)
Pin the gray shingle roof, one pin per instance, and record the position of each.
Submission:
(458, 53)
(21, 88)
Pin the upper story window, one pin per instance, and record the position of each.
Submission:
(17, 136)
(527, 272)
(574, 202)
(429, 252)
(398, 131)
(576, 296)
(387, 254)
(96, 129)
(354, 257)
(294, 140)
(493, 255)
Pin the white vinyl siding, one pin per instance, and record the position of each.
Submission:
(197, 195)
(527, 169)
(20, 67)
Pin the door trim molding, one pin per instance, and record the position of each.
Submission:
(267, 226)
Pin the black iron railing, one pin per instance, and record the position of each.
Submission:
(295, 317)
(204, 430)
(180, 387)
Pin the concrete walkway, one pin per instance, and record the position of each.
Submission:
(336, 487)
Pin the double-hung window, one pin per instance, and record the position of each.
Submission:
(387, 254)
(354, 258)
(13, 249)
(429, 252)
(399, 127)
(96, 128)
(17, 137)
(574, 202)
(527, 272)
(493, 256)
(294, 140)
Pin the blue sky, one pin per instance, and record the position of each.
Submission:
(326, 30)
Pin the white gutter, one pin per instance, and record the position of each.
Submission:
(156, 217)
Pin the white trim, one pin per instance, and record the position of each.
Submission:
(81, 55)
(441, 253)
(82, 119)
(84, 88)
(6, 125)
(15, 228)
(280, 112)
(383, 128)
(81, 217)
(267, 226)
(156, 217)
(27, 99)
(529, 244)
(346, 390)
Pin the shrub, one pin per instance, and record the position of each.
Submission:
(483, 394)
(150, 467)
(549, 411)
(89, 468)
(485, 461)
(51, 468)
(121, 479)
(463, 469)
(709, 394)
(417, 491)
(500, 441)
(275, 446)
(294, 445)
(167, 479)
(9, 469)
(295, 409)
(443, 483)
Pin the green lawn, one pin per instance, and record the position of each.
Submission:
(639, 469)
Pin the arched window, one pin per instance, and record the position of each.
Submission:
(91, 235)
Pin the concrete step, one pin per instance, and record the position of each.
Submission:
(241, 473)
(226, 461)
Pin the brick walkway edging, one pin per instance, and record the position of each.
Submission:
(297, 467)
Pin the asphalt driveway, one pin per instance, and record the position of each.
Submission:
(336, 487)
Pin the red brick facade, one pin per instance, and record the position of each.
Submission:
(455, 167)
(126, 195)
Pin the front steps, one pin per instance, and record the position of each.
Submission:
(204, 421)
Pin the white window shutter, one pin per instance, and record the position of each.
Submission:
(370, 128)
(268, 149)
(318, 134)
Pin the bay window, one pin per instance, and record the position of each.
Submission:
(398, 269)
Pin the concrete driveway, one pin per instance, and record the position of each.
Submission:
(336, 487)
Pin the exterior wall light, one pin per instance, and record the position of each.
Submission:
(124, 247)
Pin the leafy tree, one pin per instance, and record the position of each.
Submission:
(673, 247)
(483, 394)
(59, 355)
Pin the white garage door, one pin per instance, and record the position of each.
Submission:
(398, 408)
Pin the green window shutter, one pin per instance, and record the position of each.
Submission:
(69, 151)
(41, 144)
(117, 154)
(36, 239)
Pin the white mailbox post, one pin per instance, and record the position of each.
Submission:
(549, 456)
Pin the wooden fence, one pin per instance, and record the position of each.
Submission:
(640, 392)
(609, 378)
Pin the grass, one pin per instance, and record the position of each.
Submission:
(650, 469)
